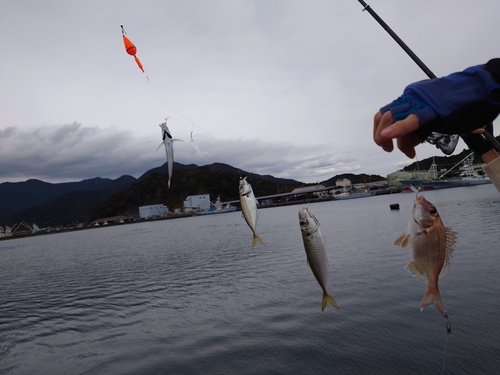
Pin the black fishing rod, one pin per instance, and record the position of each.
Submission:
(419, 62)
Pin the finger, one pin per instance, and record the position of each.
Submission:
(407, 144)
(382, 121)
(401, 128)
(376, 122)
(479, 131)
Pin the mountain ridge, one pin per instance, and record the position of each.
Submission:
(55, 204)
(58, 204)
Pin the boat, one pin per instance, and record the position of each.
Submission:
(430, 182)
(469, 177)
(426, 185)
(217, 208)
(471, 180)
(352, 194)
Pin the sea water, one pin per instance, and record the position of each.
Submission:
(190, 295)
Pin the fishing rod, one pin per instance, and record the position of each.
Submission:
(419, 62)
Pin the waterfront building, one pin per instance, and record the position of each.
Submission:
(197, 203)
(145, 212)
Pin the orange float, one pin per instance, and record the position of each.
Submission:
(131, 49)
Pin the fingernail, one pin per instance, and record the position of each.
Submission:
(387, 132)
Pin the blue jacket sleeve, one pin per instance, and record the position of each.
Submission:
(455, 104)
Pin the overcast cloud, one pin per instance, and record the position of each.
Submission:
(287, 88)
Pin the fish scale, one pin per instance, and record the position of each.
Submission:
(431, 245)
(168, 142)
(315, 248)
(249, 208)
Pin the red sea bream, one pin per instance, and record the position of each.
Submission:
(431, 246)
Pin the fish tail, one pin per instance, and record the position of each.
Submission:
(328, 298)
(256, 239)
(432, 296)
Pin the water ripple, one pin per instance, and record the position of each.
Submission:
(192, 296)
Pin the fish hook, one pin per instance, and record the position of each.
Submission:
(448, 325)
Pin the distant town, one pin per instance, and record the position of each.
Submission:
(205, 204)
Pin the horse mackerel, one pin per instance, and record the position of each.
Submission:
(315, 247)
(249, 208)
(168, 141)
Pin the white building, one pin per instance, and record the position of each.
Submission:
(197, 202)
(344, 182)
(308, 189)
(153, 210)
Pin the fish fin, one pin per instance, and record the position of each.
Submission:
(451, 239)
(432, 296)
(159, 146)
(445, 271)
(195, 147)
(177, 140)
(412, 268)
(328, 299)
(256, 239)
(403, 240)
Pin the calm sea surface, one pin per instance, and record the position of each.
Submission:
(190, 296)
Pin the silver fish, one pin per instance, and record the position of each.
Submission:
(195, 146)
(431, 246)
(249, 208)
(315, 247)
(169, 147)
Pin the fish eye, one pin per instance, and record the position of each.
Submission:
(433, 211)
(303, 222)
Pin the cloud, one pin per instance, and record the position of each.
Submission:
(284, 88)
(7, 132)
(73, 151)
(70, 152)
(307, 163)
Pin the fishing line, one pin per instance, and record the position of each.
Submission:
(448, 333)
(193, 124)
(377, 153)
(156, 88)
(389, 44)
(113, 9)
(444, 354)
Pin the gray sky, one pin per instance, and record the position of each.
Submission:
(281, 87)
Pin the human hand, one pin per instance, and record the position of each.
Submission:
(437, 109)
(404, 131)
(385, 130)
